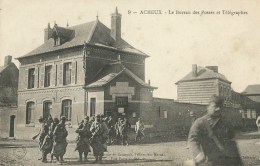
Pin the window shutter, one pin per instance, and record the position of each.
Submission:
(73, 72)
(36, 77)
(53, 75)
(60, 74)
(42, 72)
(26, 79)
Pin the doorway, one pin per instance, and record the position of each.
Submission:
(47, 107)
(11, 131)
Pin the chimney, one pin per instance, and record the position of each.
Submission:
(194, 70)
(47, 33)
(149, 82)
(8, 60)
(213, 68)
(116, 26)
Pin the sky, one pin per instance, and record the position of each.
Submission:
(173, 41)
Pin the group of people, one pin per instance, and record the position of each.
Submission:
(118, 131)
(52, 138)
(92, 134)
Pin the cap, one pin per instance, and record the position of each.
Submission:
(63, 118)
(86, 117)
(56, 120)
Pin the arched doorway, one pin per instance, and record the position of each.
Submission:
(11, 131)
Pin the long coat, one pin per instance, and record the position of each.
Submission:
(60, 143)
(214, 139)
(83, 144)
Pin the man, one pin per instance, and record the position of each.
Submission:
(83, 145)
(124, 131)
(111, 130)
(47, 144)
(96, 139)
(53, 126)
(139, 129)
(211, 138)
(60, 143)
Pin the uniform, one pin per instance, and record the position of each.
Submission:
(83, 144)
(60, 143)
(97, 140)
(211, 142)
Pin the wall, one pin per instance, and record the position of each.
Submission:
(197, 92)
(99, 95)
(5, 115)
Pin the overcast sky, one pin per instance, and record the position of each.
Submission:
(173, 41)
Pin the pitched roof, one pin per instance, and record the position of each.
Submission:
(203, 73)
(2, 68)
(252, 89)
(111, 72)
(94, 33)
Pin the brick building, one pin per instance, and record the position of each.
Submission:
(201, 83)
(81, 70)
(8, 97)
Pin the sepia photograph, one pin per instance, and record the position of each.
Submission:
(139, 82)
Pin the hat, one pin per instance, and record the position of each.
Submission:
(86, 117)
(63, 118)
(40, 118)
(56, 120)
(192, 113)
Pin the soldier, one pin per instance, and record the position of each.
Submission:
(53, 126)
(118, 130)
(42, 133)
(96, 139)
(139, 129)
(47, 143)
(60, 143)
(211, 138)
(124, 131)
(111, 130)
(105, 131)
(83, 145)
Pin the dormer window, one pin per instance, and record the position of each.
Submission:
(61, 35)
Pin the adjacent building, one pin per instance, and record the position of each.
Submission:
(8, 97)
(201, 83)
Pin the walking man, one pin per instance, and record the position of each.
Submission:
(83, 145)
(60, 143)
(96, 139)
(139, 129)
(211, 138)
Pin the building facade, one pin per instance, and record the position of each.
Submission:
(8, 97)
(59, 77)
(201, 83)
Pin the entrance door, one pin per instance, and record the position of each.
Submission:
(47, 106)
(11, 132)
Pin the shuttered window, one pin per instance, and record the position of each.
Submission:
(31, 78)
(47, 77)
(67, 73)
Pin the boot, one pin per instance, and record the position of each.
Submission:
(80, 157)
(100, 159)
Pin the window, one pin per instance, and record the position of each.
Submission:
(253, 114)
(47, 76)
(67, 68)
(134, 114)
(242, 114)
(92, 106)
(159, 112)
(122, 101)
(29, 112)
(66, 109)
(165, 114)
(31, 77)
(249, 114)
(47, 107)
